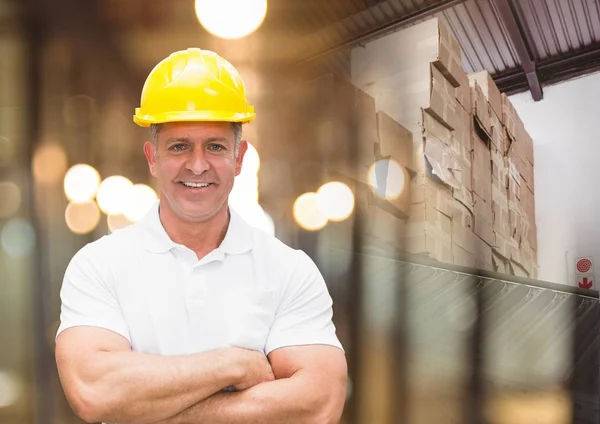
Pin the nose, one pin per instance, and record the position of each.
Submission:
(197, 162)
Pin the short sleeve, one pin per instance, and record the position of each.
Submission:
(86, 298)
(305, 314)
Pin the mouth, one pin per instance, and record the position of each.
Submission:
(197, 186)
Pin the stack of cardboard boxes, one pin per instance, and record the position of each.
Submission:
(471, 200)
(519, 162)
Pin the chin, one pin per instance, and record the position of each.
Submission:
(197, 213)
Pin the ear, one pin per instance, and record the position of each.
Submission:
(150, 152)
(239, 160)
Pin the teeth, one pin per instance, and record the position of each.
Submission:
(196, 185)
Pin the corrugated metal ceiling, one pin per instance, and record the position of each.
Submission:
(482, 37)
(549, 28)
(323, 31)
(561, 26)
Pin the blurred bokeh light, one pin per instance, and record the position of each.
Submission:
(112, 194)
(81, 183)
(82, 218)
(17, 238)
(335, 200)
(116, 222)
(140, 199)
(10, 389)
(256, 217)
(307, 212)
(10, 198)
(245, 190)
(231, 19)
(49, 164)
(387, 178)
(251, 163)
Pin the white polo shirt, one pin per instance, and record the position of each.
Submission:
(253, 291)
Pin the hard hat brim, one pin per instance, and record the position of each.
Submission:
(192, 116)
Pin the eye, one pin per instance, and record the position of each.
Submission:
(177, 147)
(216, 147)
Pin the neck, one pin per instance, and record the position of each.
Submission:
(201, 237)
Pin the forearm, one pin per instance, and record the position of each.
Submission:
(140, 388)
(294, 400)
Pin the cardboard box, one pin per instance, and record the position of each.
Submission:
(514, 187)
(462, 257)
(501, 246)
(528, 203)
(500, 263)
(422, 87)
(482, 259)
(499, 167)
(427, 42)
(517, 270)
(514, 221)
(429, 232)
(463, 225)
(481, 168)
(526, 142)
(441, 100)
(500, 212)
(483, 219)
(498, 134)
(448, 159)
(534, 265)
(483, 252)
(382, 177)
(530, 182)
(518, 257)
(491, 92)
(480, 108)
(462, 132)
(425, 190)
(366, 128)
(526, 259)
(343, 129)
(525, 154)
(529, 230)
(402, 202)
(463, 96)
(382, 229)
(510, 118)
(395, 141)
(518, 163)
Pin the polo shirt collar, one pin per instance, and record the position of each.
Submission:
(238, 238)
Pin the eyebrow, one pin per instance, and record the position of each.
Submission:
(189, 140)
(179, 140)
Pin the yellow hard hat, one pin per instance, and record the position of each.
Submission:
(193, 85)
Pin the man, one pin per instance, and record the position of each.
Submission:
(190, 315)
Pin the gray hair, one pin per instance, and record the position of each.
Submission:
(236, 127)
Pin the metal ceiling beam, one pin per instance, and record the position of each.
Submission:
(552, 70)
(508, 17)
(390, 26)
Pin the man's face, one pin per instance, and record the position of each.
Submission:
(195, 165)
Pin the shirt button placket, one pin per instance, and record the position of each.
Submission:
(196, 285)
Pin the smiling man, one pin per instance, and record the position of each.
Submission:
(190, 315)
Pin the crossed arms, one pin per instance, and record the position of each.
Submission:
(104, 380)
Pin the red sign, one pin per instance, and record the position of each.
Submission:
(586, 281)
(584, 265)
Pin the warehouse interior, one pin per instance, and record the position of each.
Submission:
(463, 129)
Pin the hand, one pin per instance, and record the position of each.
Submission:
(255, 369)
